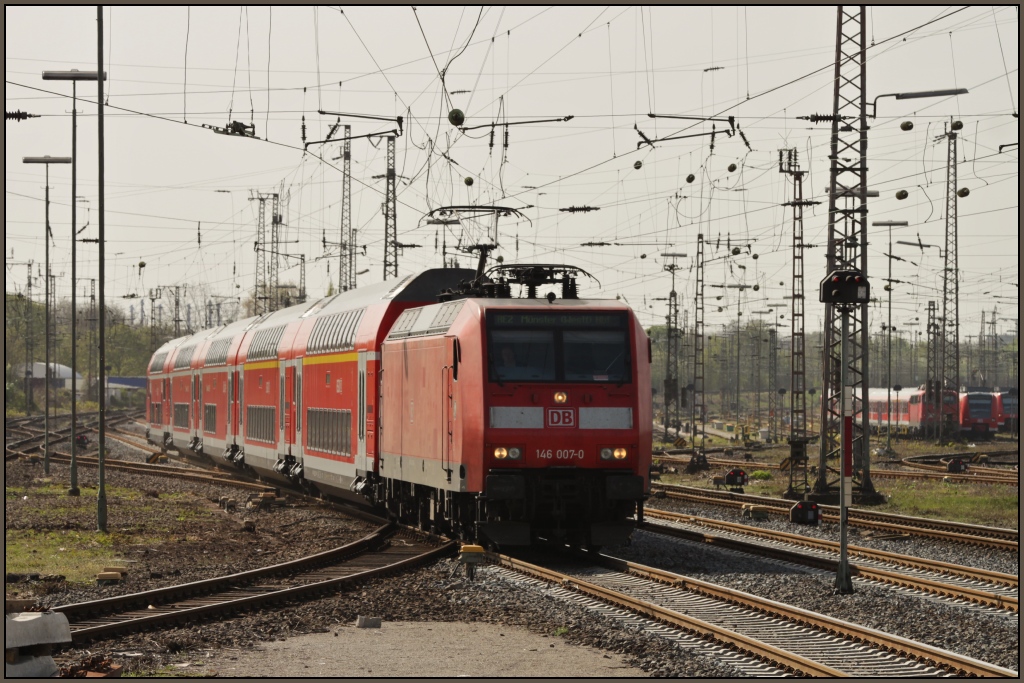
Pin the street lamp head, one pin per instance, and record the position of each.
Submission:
(73, 75)
(929, 93)
(46, 160)
(917, 95)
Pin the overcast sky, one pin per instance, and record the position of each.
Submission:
(608, 67)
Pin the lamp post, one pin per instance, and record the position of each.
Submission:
(917, 95)
(47, 160)
(101, 494)
(74, 75)
(888, 329)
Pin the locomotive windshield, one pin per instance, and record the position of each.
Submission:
(979, 405)
(558, 347)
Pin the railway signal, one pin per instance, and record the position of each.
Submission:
(845, 290)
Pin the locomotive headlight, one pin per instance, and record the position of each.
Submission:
(561, 397)
(620, 454)
(606, 454)
(500, 453)
(515, 453)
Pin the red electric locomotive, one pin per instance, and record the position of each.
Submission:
(496, 418)
(913, 411)
(978, 414)
(1006, 410)
(529, 416)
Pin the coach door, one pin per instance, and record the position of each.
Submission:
(289, 407)
(362, 465)
(196, 403)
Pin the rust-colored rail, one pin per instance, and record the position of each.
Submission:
(972, 534)
(969, 593)
(316, 575)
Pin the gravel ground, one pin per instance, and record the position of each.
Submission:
(429, 614)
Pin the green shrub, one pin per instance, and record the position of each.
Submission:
(761, 475)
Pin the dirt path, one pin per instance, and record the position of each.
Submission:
(429, 649)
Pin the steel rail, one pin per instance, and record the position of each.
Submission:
(238, 597)
(158, 471)
(768, 653)
(1000, 578)
(972, 534)
(951, 661)
(974, 595)
(988, 476)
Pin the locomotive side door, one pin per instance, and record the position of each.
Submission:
(450, 375)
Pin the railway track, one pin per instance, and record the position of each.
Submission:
(971, 534)
(788, 639)
(189, 474)
(976, 474)
(383, 552)
(978, 586)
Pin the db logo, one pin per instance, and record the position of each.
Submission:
(561, 417)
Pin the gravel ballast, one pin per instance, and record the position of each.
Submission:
(425, 608)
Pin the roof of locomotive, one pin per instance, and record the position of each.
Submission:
(438, 318)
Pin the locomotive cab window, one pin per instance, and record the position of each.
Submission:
(559, 347)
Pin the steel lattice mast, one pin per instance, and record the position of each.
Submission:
(672, 356)
(697, 411)
(847, 239)
(798, 364)
(932, 369)
(773, 382)
(347, 248)
(273, 278)
(260, 295)
(390, 218)
(950, 360)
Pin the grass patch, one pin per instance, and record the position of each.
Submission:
(77, 555)
(561, 631)
(984, 504)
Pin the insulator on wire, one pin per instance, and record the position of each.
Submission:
(902, 194)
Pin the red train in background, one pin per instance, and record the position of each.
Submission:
(507, 420)
(1007, 407)
(979, 414)
(913, 411)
